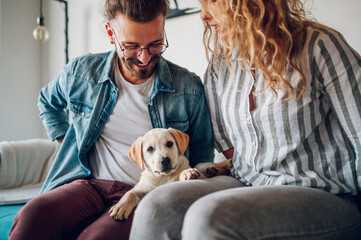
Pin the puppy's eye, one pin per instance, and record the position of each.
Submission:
(169, 144)
(150, 149)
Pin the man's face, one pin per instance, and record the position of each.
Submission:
(132, 35)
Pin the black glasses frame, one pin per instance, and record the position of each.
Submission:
(141, 49)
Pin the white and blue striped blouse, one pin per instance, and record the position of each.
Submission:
(313, 142)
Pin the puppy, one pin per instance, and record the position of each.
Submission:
(160, 152)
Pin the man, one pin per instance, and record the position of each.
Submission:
(112, 99)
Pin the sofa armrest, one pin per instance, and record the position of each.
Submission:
(25, 162)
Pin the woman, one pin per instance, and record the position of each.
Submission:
(285, 99)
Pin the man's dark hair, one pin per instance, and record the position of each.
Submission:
(141, 11)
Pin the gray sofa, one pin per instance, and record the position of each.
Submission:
(23, 168)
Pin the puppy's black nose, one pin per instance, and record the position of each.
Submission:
(165, 161)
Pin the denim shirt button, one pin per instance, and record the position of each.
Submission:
(82, 113)
(150, 104)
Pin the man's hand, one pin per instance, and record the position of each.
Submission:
(60, 140)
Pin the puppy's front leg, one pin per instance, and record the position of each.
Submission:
(221, 168)
(125, 206)
(190, 173)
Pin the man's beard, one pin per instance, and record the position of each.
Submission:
(141, 73)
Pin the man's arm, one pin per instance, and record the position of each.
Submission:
(201, 148)
(60, 140)
(52, 104)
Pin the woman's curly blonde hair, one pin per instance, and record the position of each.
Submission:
(267, 34)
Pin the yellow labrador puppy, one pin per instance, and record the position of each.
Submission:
(160, 152)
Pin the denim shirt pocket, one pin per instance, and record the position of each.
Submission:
(80, 109)
(176, 111)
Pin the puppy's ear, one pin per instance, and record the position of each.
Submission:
(181, 138)
(135, 152)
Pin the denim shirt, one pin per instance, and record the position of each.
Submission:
(86, 89)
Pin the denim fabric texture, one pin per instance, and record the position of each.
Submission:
(86, 88)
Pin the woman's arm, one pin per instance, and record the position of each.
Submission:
(221, 138)
(337, 68)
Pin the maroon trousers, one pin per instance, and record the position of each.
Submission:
(78, 210)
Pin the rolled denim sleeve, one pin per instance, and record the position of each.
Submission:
(52, 105)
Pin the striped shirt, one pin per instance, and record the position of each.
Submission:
(313, 142)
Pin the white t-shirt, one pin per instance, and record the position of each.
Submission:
(128, 121)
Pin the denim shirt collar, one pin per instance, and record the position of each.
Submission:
(108, 72)
(163, 80)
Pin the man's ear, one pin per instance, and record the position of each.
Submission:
(181, 138)
(109, 32)
(135, 152)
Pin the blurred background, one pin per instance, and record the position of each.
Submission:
(27, 65)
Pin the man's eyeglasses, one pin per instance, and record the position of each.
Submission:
(135, 51)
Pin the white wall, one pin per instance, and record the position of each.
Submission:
(27, 65)
(86, 32)
(344, 16)
(20, 70)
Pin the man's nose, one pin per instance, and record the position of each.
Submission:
(144, 56)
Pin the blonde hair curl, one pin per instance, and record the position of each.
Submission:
(267, 34)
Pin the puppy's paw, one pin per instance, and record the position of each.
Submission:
(190, 173)
(211, 172)
(120, 211)
(222, 168)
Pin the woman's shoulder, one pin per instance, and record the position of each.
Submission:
(320, 35)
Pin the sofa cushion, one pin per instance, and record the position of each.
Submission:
(7, 215)
(19, 195)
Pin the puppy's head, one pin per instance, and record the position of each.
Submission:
(159, 150)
